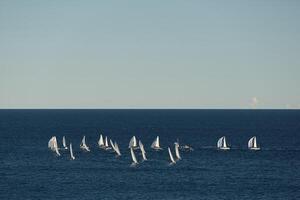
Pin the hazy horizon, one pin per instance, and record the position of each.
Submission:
(171, 54)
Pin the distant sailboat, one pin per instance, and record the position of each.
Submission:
(64, 142)
(155, 145)
(252, 145)
(117, 150)
(115, 147)
(71, 152)
(177, 150)
(52, 144)
(83, 145)
(101, 142)
(142, 150)
(221, 144)
(171, 156)
(112, 144)
(107, 147)
(134, 160)
(133, 143)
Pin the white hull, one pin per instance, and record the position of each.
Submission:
(224, 148)
(254, 148)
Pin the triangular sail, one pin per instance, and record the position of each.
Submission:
(220, 142)
(142, 150)
(112, 144)
(52, 144)
(117, 149)
(106, 142)
(177, 151)
(155, 143)
(133, 142)
(171, 156)
(254, 143)
(101, 141)
(71, 152)
(64, 143)
(133, 156)
(224, 142)
(251, 143)
(83, 145)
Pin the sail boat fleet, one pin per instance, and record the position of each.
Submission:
(134, 146)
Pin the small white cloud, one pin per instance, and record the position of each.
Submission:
(254, 102)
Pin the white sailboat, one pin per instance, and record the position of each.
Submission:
(171, 156)
(83, 145)
(64, 142)
(112, 144)
(71, 152)
(155, 145)
(133, 143)
(117, 150)
(134, 160)
(52, 144)
(142, 150)
(221, 144)
(252, 144)
(107, 147)
(177, 151)
(101, 142)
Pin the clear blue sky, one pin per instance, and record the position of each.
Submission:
(150, 54)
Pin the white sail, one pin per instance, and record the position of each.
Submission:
(142, 150)
(155, 144)
(252, 144)
(133, 142)
(224, 142)
(117, 149)
(221, 144)
(64, 143)
(177, 151)
(112, 144)
(171, 156)
(52, 144)
(133, 156)
(106, 142)
(83, 145)
(71, 152)
(101, 141)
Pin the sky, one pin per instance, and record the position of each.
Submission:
(150, 54)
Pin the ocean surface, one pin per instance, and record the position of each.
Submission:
(29, 170)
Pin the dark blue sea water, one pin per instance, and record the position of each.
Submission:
(28, 170)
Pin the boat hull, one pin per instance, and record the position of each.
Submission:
(254, 148)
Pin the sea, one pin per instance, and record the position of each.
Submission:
(29, 170)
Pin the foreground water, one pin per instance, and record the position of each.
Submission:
(28, 170)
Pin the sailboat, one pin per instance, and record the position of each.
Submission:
(142, 150)
(133, 143)
(155, 145)
(101, 142)
(117, 150)
(221, 144)
(134, 160)
(171, 156)
(115, 147)
(64, 142)
(52, 144)
(83, 145)
(107, 147)
(177, 151)
(252, 145)
(71, 152)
